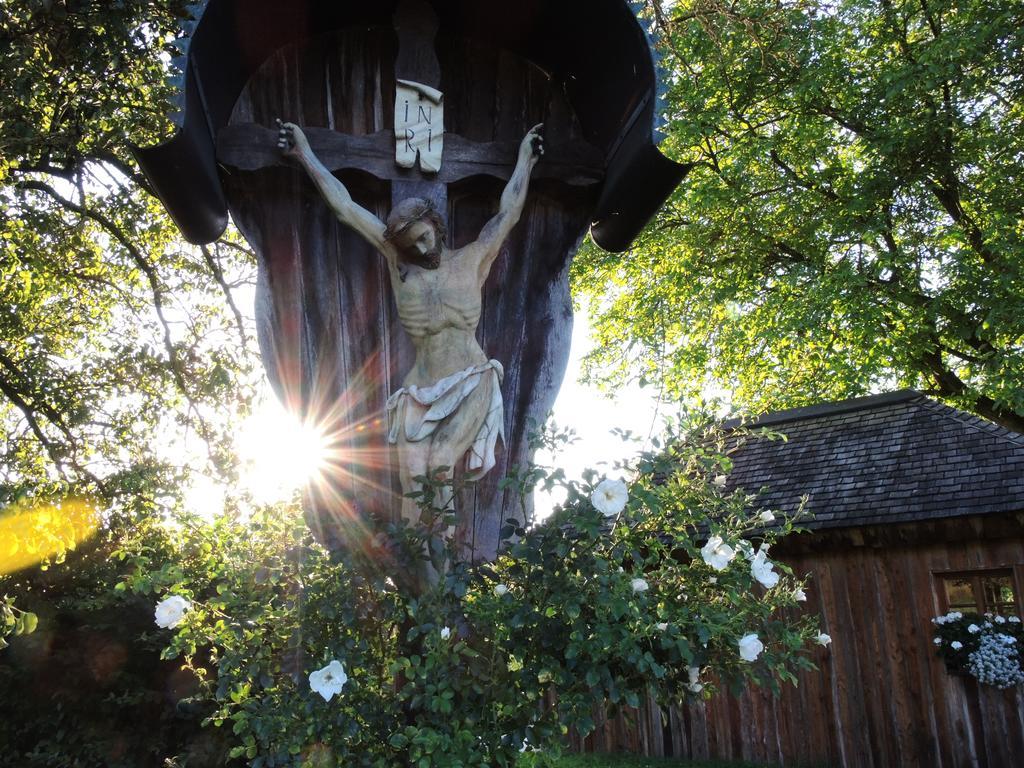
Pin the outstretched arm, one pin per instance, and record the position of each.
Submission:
(293, 143)
(512, 200)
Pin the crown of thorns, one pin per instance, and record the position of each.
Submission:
(408, 212)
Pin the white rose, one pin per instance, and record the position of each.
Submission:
(761, 569)
(720, 481)
(661, 626)
(640, 585)
(717, 553)
(956, 645)
(445, 633)
(750, 647)
(500, 589)
(170, 611)
(610, 497)
(800, 596)
(822, 639)
(328, 681)
(694, 675)
(767, 516)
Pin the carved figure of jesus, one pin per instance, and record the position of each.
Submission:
(449, 407)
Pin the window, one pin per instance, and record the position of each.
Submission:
(992, 591)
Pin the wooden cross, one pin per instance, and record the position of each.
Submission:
(251, 147)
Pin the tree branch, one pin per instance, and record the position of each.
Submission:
(949, 197)
(127, 171)
(28, 410)
(147, 268)
(218, 275)
(949, 385)
(808, 185)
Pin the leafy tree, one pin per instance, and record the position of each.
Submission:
(853, 217)
(112, 330)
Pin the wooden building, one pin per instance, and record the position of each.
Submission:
(918, 508)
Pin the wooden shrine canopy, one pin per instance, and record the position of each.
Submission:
(595, 50)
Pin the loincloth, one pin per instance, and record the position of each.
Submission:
(418, 411)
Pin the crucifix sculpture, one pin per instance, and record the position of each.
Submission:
(406, 99)
(449, 407)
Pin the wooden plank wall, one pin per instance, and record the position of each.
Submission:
(328, 329)
(881, 697)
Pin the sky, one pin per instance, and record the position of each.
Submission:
(593, 414)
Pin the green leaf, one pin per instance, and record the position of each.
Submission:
(398, 741)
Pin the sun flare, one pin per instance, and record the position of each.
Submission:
(279, 453)
(30, 536)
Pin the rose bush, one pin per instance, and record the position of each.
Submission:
(315, 658)
(296, 656)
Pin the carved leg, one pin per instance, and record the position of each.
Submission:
(446, 447)
(413, 462)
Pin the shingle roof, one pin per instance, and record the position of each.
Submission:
(887, 458)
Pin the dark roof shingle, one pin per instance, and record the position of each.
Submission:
(887, 458)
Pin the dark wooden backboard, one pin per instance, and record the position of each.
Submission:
(328, 328)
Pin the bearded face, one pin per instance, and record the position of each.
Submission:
(418, 244)
(429, 260)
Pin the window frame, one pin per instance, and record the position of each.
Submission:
(975, 576)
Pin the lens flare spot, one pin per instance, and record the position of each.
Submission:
(279, 454)
(32, 536)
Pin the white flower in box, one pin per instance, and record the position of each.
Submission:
(610, 497)
(170, 611)
(761, 568)
(694, 674)
(750, 647)
(328, 681)
(717, 553)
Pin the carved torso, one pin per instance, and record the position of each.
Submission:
(440, 310)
